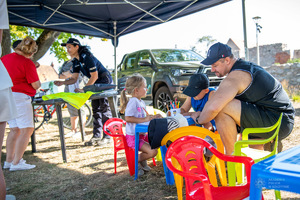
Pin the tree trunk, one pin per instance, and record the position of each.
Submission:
(6, 44)
(45, 41)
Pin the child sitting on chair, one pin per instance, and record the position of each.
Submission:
(135, 112)
(198, 94)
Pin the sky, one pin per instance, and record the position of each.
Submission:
(279, 21)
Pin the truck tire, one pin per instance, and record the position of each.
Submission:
(162, 99)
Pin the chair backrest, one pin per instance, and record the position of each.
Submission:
(113, 128)
(195, 131)
(202, 133)
(187, 151)
(245, 142)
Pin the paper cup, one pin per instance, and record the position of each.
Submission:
(173, 112)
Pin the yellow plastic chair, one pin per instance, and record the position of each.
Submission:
(158, 155)
(241, 148)
(211, 165)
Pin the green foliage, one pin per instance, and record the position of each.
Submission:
(204, 42)
(297, 60)
(20, 32)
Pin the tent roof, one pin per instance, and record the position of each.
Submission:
(99, 17)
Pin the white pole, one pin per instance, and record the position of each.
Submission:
(115, 53)
(258, 27)
(245, 31)
(257, 46)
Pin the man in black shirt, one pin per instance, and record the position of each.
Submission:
(249, 97)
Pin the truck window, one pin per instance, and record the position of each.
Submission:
(130, 61)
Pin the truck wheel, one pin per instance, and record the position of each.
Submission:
(162, 98)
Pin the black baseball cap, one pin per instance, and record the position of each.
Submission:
(71, 41)
(197, 83)
(216, 52)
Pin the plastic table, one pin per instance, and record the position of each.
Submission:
(110, 94)
(279, 172)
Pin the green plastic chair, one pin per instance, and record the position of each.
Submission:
(241, 148)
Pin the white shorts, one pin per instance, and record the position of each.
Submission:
(8, 108)
(25, 111)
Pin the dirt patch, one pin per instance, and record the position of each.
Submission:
(89, 172)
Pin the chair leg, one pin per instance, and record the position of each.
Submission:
(130, 157)
(154, 163)
(179, 185)
(277, 195)
(115, 161)
(231, 174)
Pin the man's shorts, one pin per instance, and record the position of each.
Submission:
(253, 116)
(25, 112)
(72, 110)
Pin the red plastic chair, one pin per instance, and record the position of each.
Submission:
(113, 128)
(187, 153)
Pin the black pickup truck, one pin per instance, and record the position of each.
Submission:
(167, 72)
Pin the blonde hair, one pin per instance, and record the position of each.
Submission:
(28, 46)
(133, 82)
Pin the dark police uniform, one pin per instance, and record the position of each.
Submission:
(101, 110)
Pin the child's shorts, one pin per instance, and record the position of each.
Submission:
(131, 140)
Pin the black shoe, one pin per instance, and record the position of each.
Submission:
(93, 142)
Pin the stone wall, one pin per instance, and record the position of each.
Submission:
(267, 53)
(296, 53)
(288, 74)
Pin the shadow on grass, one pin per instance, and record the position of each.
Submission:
(88, 174)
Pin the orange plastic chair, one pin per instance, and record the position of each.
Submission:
(213, 164)
(187, 152)
(113, 128)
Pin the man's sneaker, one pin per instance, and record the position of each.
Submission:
(145, 166)
(94, 141)
(70, 134)
(8, 164)
(104, 141)
(21, 166)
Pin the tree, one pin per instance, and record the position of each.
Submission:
(205, 42)
(46, 39)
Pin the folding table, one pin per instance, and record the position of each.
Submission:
(279, 172)
(110, 94)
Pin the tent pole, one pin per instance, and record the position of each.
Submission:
(115, 52)
(245, 31)
(115, 62)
